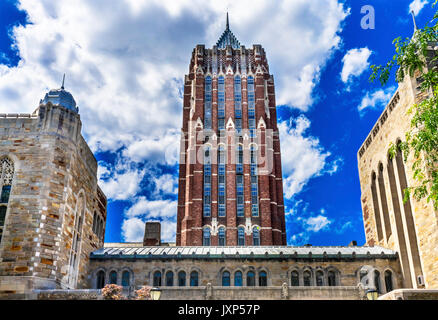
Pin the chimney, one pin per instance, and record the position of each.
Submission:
(152, 234)
(353, 243)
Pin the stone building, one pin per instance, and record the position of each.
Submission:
(52, 212)
(410, 228)
(230, 180)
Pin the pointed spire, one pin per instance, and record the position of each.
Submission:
(63, 80)
(228, 23)
(413, 18)
(228, 38)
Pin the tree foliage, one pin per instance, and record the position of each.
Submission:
(418, 54)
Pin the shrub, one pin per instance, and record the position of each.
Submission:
(144, 293)
(112, 292)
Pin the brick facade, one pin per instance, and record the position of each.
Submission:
(230, 62)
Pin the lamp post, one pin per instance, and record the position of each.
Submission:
(155, 293)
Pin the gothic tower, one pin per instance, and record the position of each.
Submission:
(230, 180)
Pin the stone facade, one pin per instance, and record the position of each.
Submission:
(229, 103)
(334, 272)
(409, 228)
(55, 204)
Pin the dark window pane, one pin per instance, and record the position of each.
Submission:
(226, 279)
(238, 281)
(113, 277)
(125, 278)
(169, 279)
(263, 279)
(294, 279)
(250, 279)
(6, 191)
(100, 279)
(194, 279)
(181, 279)
(2, 215)
(157, 279)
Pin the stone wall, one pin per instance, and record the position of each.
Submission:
(53, 168)
(409, 228)
(411, 294)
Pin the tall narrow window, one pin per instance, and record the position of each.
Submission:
(206, 237)
(294, 279)
(221, 236)
(221, 181)
(225, 279)
(377, 281)
(76, 241)
(100, 281)
(388, 281)
(6, 177)
(207, 103)
(237, 98)
(194, 279)
(207, 182)
(331, 277)
(319, 278)
(238, 281)
(181, 279)
(251, 106)
(125, 279)
(241, 236)
(254, 182)
(157, 279)
(307, 278)
(263, 279)
(113, 277)
(384, 202)
(255, 236)
(169, 279)
(239, 164)
(221, 102)
(240, 195)
(376, 206)
(250, 279)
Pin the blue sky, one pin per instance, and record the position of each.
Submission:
(125, 62)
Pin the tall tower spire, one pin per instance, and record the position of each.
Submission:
(63, 80)
(415, 23)
(228, 23)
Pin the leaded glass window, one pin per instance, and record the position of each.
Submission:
(222, 236)
(6, 177)
(206, 237)
(240, 236)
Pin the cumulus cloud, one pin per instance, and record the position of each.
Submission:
(417, 5)
(133, 230)
(377, 99)
(302, 156)
(317, 223)
(152, 208)
(355, 62)
(167, 184)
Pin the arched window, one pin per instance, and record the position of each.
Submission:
(169, 279)
(250, 279)
(157, 279)
(6, 177)
(125, 278)
(94, 221)
(113, 277)
(222, 236)
(377, 281)
(241, 236)
(225, 279)
(388, 281)
(294, 279)
(221, 102)
(100, 282)
(376, 206)
(307, 278)
(77, 238)
(181, 279)
(255, 236)
(206, 237)
(238, 280)
(263, 279)
(331, 278)
(194, 281)
(319, 278)
(254, 182)
(251, 106)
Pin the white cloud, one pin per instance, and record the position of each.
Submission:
(302, 156)
(317, 223)
(120, 186)
(417, 6)
(377, 99)
(152, 208)
(355, 63)
(166, 184)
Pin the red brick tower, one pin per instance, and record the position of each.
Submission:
(230, 180)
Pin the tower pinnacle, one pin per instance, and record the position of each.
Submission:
(228, 23)
(63, 80)
(415, 23)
